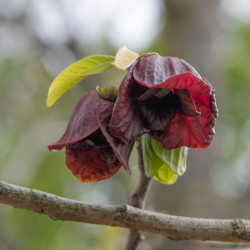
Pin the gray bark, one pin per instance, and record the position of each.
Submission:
(174, 227)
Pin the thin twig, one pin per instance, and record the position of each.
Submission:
(138, 199)
(174, 227)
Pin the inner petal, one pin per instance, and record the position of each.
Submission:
(95, 139)
(187, 105)
(157, 112)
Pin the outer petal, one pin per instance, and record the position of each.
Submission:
(83, 121)
(169, 72)
(121, 149)
(90, 165)
(97, 139)
(197, 131)
(126, 123)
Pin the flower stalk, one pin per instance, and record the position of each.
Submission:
(138, 199)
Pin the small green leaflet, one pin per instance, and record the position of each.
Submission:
(164, 165)
(75, 72)
(108, 92)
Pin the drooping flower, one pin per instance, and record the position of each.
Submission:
(167, 98)
(92, 154)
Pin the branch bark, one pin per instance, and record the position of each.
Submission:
(138, 199)
(174, 227)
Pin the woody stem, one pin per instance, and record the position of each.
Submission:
(138, 199)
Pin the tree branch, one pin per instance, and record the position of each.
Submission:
(138, 199)
(174, 227)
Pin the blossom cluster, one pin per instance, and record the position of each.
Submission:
(164, 97)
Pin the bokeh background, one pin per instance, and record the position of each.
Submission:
(38, 39)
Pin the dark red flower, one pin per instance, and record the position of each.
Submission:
(166, 97)
(92, 154)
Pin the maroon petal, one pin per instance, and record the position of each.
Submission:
(121, 149)
(197, 131)
(187, 105)
(126, 123)
(82, 123)
(97, 139)
(90, 165)
(169, 72)
(157, 112)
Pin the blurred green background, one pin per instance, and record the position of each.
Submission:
(38, 39)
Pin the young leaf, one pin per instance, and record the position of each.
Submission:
(165, 175)
(176, 158)
(124, 58)
(164, 165)
(108, 92)
(75, 72)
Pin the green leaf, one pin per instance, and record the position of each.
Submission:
(108, 92)
(164, 165)
(176, 158)
(165, 176)
(75, 72)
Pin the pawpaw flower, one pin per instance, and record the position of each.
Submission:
(167, 98)
(92, 154)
